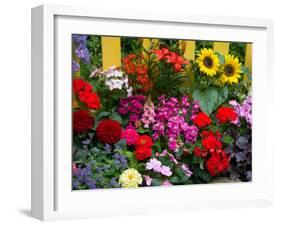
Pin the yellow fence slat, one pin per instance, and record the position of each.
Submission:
(248, 57)
(111, 52)
(188, 48)
(221, 47)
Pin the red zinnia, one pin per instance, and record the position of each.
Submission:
(202, 120)
(226, 114)
(143, 152)
(144, 140)
(82, 121)
(109, 131)
(217, 163)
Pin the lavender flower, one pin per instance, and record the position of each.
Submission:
(83, 53)
(75, 66)
(244, 110)
(157, 167)
(79, 39)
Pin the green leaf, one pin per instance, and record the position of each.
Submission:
(115, 116)
(201, 164)
(156, 182)
(175, 180)
(102, 115)
(128, 154)
(210, 98)
(121, 144)
(221, 58)
(142, 130)
(227, 139)
(245, 70)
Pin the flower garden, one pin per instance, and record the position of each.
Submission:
(159, 118)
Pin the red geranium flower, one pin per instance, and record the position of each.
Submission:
(144, 141)
(80, 85)
(143, 152)
(202, 120)
(226, 114)
(91, 99)
(211, 141)
(217, 163)
(82, 121)
(109, 131)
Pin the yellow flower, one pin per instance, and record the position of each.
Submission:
(231, 70)
(208, 62)
(130, 178)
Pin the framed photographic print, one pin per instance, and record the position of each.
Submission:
(137, 113)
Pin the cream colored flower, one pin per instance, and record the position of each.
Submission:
(130, 178)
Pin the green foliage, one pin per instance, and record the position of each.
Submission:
(238, 49)
(94, 46)
(227, 139)
(210, 98)
(130, 45)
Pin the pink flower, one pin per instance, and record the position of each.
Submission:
(74, 168)
(147, 179)
(130, 135)
(186, 170)
(166, 171)
(157, 167)
(166, 183)
(154, 165)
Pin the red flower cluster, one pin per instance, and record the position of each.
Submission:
(211, 141)
(202, 120)
(143, 147)
(82, 121)
(217, 160)
(217, 163)
(84, 91)
(134, 65)
(171, 57)
(108, 131)
(226, 114)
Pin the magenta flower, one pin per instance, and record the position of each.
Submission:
(130, 135)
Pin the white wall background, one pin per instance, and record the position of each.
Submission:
(15, 112)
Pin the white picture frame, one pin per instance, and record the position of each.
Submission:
(52, 197)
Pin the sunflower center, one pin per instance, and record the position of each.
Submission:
(208, 62)
(228, 70)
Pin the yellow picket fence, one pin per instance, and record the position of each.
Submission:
(111, 50)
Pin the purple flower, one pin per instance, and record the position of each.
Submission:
(83, 53)
(244, 110)
(75, 66)
(79, 39)
(133, 107)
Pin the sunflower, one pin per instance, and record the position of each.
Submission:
(208, 62)
(231, 70)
